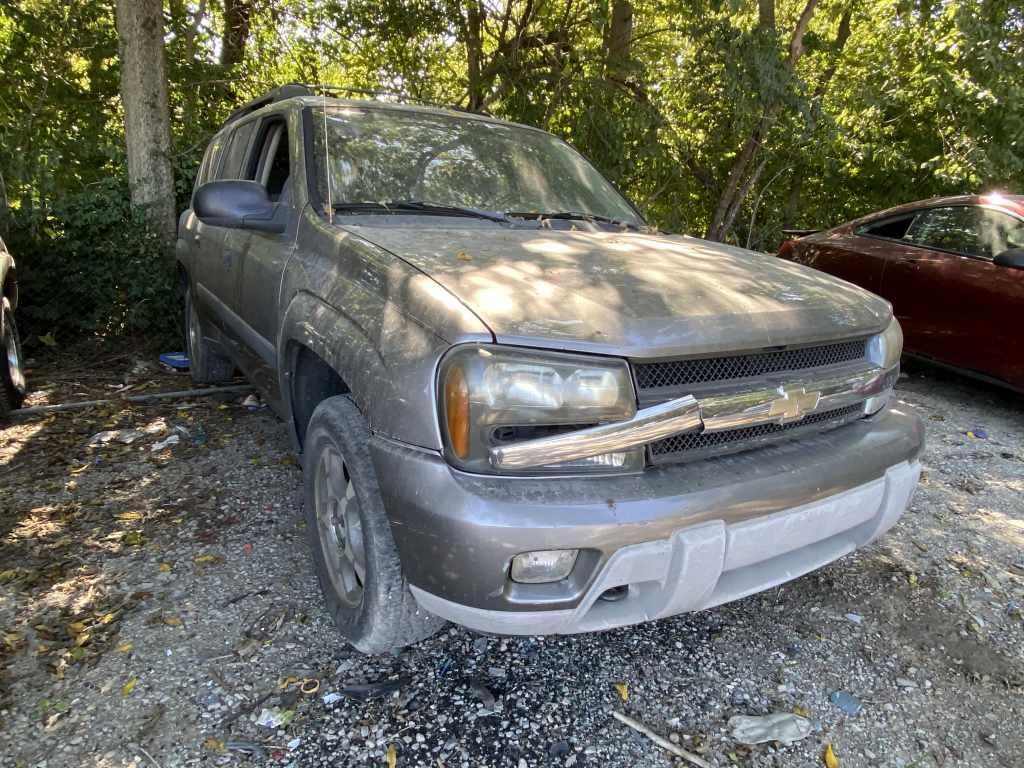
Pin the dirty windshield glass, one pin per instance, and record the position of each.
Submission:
(382, 155)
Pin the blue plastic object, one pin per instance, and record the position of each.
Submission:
(176, 360)
(847, 702)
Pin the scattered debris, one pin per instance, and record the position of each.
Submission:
(661, 742)
(247, 748)
(784, 727)
(378, 690)
(483, 695)
(829, 757)
(123, 436)
(167, 442)
(275, 717)
(847, 702)
(623, 690)
(175, 361)
(856, 618)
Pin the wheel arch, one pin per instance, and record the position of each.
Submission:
(322, 353)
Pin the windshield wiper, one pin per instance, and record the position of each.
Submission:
(576, 216)
(420, 206)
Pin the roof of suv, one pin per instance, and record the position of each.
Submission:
(306, 96)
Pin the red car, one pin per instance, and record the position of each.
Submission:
(953, 269)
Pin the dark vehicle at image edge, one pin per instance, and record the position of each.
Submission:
(12, 366)
(953, 268)
(519, 407)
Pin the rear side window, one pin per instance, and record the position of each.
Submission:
(956, 229)
(894, 229)
(208, 169)
(234, 166)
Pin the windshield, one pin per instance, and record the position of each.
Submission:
(383, 155)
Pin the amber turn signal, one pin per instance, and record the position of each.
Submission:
(456, 410)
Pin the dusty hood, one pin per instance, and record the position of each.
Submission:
(630, 294)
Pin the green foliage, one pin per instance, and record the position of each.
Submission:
(920, 98)
(92, 267)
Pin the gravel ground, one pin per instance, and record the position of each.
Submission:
(156, 604)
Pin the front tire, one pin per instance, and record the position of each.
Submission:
(354, 553)
(207, 364)
(12, 367)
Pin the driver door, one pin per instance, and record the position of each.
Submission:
(992, 297)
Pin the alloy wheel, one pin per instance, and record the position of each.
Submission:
(340, 527)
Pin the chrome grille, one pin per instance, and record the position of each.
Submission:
(699, 445)
(682, 373)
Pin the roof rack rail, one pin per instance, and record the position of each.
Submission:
(291, 90)
(270, 97)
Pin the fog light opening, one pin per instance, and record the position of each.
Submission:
(615, 594)
(543, 566)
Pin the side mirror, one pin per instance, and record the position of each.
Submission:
(1013, 259)
(238, 205)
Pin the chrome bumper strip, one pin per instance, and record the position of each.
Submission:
(649, 424)
(791, 401)
(788, 402)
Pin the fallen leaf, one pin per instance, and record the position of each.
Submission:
(133, 538)
(125, 648)
(623, 691)
(829, 758)
(463, 256)
(48, 340)
(213, 745)
(165, 567)
(76, 627)
(801, 711)
(172, 621)
(207, 559)
(392, 756)
(128, 687)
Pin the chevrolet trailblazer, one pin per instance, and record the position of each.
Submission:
(519, 407)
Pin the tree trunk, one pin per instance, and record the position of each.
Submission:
(237, 23)
(619, 38)
(474, 54)
(735, 189)
(146, 114)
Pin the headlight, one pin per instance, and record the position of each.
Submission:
(885, 350)
(491, 395)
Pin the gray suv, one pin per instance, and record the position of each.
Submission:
(520, 408)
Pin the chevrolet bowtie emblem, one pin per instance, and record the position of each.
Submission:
(794, 404)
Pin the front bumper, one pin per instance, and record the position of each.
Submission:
(681, 537)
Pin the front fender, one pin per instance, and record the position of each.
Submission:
(388, 366)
